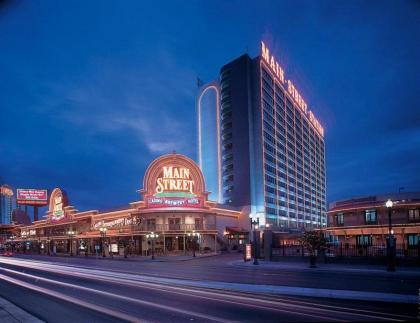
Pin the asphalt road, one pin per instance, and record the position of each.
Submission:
(56, 292)
(220, 268)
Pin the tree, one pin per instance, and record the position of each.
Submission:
(314, 242)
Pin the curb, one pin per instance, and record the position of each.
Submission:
(283, 266)
(16, 313)
(129, 259)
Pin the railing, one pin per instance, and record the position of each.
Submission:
(174, 227)
(345, 250)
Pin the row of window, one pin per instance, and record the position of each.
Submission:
(366, 240)
(371, 216)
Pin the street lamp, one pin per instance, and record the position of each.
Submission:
(255, 223)
(152, 236)
(102, 230)
(195, 236)
(13, 237)
(391, 240)
(71, 233)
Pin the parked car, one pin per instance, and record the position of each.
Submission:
(7, 254)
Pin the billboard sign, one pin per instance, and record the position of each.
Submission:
(32, 197)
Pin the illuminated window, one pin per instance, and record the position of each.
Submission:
(364, 240)
(339, 219)
(370, 216)
(413, 239)
(414, 215)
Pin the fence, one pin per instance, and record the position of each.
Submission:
(345, 250)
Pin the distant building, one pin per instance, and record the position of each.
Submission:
(6, 204)
(364, 221)
(19, 216)
(261, 145)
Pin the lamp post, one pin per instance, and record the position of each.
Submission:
(195, 236)
(152, 236)
(391, 240)
(255, 222)
(71, 233)
(102, 230)
(13, 237)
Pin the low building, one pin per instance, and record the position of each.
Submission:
(173, 204)
(364, 221)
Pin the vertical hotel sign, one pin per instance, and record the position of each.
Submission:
(294, 93)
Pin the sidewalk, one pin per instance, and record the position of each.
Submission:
(322, 267)
(12, 314)
(132, 258)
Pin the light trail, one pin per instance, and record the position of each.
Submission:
(131, 279)
(103, 293)
(70, 299)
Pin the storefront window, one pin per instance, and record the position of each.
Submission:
(364, 240)
(412, 239)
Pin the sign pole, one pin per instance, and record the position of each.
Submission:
(35, 213)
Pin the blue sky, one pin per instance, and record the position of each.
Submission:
(92, 91)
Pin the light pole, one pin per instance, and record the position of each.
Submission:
(152, 236)
(391, 240)
(13, 237)
(71, 233)
(102, 230)
(195, 236)
(255, 222)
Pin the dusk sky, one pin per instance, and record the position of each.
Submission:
(92, 91)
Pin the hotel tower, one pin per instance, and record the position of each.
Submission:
(260, 146)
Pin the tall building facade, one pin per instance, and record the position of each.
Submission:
(272, 146)
(6, 204)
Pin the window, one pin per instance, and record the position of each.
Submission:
(414, 215)
(151, 224)
(412, 240)
(370, 216)
(198, 224)
(339, 219)
(364, 240)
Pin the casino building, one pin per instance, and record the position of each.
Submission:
(261, 145)
(173, 204)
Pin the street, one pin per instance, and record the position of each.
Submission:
(64, 289)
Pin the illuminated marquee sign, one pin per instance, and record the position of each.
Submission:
(271, 61)
(296, 95)
(291, 89)
(116, 223)
(32, 197)
(174, 181)
(58, 203)
(6, 191)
